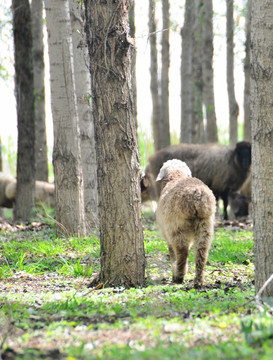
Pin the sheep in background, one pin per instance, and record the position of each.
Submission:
(6, 180)
(240, 201)
(221, 168)
(238, 205)
(185, 215)
(44, 192)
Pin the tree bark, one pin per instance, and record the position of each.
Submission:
(186, 76)
(122, 250)
(83, 92)
(198, 132)
(247, 124)
(233, 106)
(39, 91)
(262, 140)
(207, 72)
(154, 76)
(164, 125)
(25, 109)
(69, 208)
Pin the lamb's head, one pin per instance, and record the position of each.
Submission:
(242, 155)
(172, 170)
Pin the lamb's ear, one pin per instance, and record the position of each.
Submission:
(161, 174)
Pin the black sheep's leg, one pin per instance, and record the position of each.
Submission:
(225, 200)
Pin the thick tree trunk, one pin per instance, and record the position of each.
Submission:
(247, 125)
(25, 109)
(122, 250)
(233, 106)
(154, 76)
(39, 91)
(262, 140)
(83, 92)
(186, 75)
(69, 208)
(198, 132)
(164, 102)
(207, 72)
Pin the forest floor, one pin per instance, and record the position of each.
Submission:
(47, 310)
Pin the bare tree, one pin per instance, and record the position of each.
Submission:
(69, 208)
(233, 106)
(154, 76)
(39, 91)
(83, 92)
(247, 124)
(25, 109)
(207, 71)
(164, 125)
(186, 74)
(121, 237)
(262, 140)
(198, 132)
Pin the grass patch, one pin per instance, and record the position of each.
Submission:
(43, 253)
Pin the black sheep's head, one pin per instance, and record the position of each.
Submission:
(242, 154)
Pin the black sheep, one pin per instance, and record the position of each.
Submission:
(222, 168)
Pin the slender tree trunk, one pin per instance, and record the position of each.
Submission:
(207, 71)
(154, 76)
(186, 76)
(39, 91)
(233, 106)
(133, 56)
(247, 125)
(83, 92)
(198, 133)
(25, 109)
(262, 140)
(164, 102)
(122, 250)
(69, 208)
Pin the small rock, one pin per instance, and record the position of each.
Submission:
(173, 327)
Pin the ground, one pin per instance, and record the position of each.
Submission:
(52, 313)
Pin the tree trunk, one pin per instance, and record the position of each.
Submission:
(207, 72)
(186, 74)
(25, 109)
(39, 91)
(233, 106)
(198, 133)
(133, 56)
(154, 76)
(164, 99)
(122, 250)
(69, 208)
(83, 92)
(247, 125)
(262, 140)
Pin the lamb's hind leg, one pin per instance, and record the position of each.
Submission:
(201, 250)
(180, 266)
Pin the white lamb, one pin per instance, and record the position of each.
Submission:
(185, 215)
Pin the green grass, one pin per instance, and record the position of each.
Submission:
(36, 255)
(232, 247)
